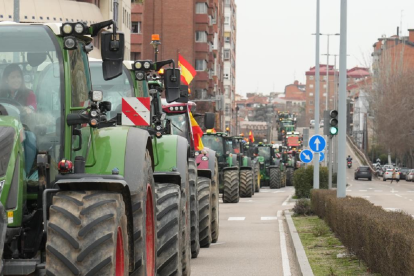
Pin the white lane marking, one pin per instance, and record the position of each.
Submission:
(377, 191)
(349, 190)
(398, 195)
(265, 191)
(217, 243)
(370, 188)
(393, 191)
(286, 201)
(363, 190)
(237, 218)
(410, 191)
(278, 192)
(279, 213)
(268, 218)
(283, 248)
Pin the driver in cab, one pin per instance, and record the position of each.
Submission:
(13, 87)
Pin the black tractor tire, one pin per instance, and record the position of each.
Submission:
(185, 228)
(214, 196)
(256, 179)
(246, 180)
(195, 242)
(231, 186)
(204, 211)
(85, 233)
(283, 179)
(168, 257)
(140, 201)
(275, 178)
(289, 176)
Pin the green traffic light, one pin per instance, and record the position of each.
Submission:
(333, 130)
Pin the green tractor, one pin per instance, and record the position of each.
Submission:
(246, 167)
(125, 89)
(228, 167)
(272, 170)
(77, 188)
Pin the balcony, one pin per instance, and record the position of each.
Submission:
(202, 19)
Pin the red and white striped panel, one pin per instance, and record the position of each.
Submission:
(136, 111)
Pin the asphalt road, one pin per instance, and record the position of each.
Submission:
(250, 241)
(392, 197)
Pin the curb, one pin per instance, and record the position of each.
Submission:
(301, 258)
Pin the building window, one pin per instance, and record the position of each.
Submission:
(135, 56)
(310, 77)
(324, 86)
(201, 37)
(227, 39)
(310, 102)
(201, 65)
(310, 85)
(310, 94)
(201, 8)
(136, 27)
(227, 20)
(226, 54)
(311, 111)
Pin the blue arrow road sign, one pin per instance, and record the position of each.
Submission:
(306, 156)
(317, 143)
(321, 156)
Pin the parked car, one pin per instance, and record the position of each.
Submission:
(312, 124)
(321, 123)
(391, 174)
(410, 176)
(403, 172)
(363, 172)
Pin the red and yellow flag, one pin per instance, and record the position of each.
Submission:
(197, 133)
(251, 137)
(187, 71)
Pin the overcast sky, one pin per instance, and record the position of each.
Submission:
(275, 44)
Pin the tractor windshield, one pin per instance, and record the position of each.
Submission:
(179, 124)
(265, 153)
(31, 88)
(236, 146)
(113, 90)
(214, 142)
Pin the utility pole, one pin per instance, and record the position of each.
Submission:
(16, 11)
(317, 84)
(341, 190)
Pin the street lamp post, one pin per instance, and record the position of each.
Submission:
(327, 72)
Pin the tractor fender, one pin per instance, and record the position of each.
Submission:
(210, 164)
(230, 169)
(273, 167)
(169, 158)
(204, 173)
(245, 168)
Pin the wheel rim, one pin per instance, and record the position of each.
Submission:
(149, 230)
(120, 262)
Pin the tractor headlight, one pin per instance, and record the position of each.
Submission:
(147, 65)
(197, 153)
(70, 43)
(94, 113)
(79, 28)
(204, 158)
(138, 65)
(97, 96)
(139, 75)
(67, 29)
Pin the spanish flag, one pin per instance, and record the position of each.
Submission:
(197, 133)
(187, 71)
(251, 137)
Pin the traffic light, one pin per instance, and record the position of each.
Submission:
(333, 122)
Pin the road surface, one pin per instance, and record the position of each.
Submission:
(251, 241)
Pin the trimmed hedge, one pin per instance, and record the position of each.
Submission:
(384, 240)
(303, 180)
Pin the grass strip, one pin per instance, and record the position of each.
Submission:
(322, 247)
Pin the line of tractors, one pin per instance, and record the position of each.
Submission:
(84, 190)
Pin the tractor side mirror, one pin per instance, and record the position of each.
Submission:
(172, 84)
(112, 51)
(183, 94)
(209, 120)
